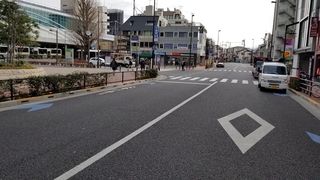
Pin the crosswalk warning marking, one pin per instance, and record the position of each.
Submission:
(244, 71)
(245, 82)
(185, 78)
(214, 79)
(234, 81)
(203, 79)
(194, 78)
(224, 80)
(177, 77)
(255, 82)
(240, 71)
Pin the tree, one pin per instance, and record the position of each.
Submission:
(86, 19)
(16, 28)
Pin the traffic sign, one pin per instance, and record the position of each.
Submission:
(287, 54)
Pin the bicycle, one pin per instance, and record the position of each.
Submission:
(315, 91)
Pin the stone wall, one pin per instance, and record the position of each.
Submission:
(20, 73)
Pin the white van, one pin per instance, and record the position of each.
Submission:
(273, 75)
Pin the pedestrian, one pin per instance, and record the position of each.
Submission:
(176, 64)
(114, 65)
(142, 64)
(130, 64)
(183, 65)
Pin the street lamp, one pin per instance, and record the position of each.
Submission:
(56, 44)
(98, 65)
(190, 39)
(218, 44)
(88, 33)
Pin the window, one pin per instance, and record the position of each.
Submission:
(302, 34)
(141, 44)
(182, 46)
(183, 34)
(131, 23)
(150, 44)
(146, 44)
(161, 34)
(274, 70)
(161, 46)
(169, 34)
(189, 34)
(168, 46)
(195, 46)
(147, 33)
(195, 34)
(175, 46)
(175, 34)
(149, 23)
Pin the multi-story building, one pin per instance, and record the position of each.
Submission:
(306, 47)
(284, 14)
(67, 6)
(115, 21)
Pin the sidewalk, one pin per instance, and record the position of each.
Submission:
(312, 100)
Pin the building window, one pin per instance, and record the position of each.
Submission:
(131, 23)
(175, 46)
(189, 35)
(149, 23)
(141, 44)
(175, 34)
(195, 34)
(169, 34)
(182, 46)
(147, 33)
(194, 46)
(302, 34)
(146, 44)
(150, 44)
(161, 34)
(183, 34)
(168, 46)
(161, 46)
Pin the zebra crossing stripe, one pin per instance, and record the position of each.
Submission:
(214, 79)
(220, 70)
(224, 70)
(224, 80)
(229, 69)
(185, 78)
(194, 78)
(234, 81)
(255, 82)
(240, 71)
(215, 70)
(203, 79)
(245, 82)
(244, 71)
(177, 77)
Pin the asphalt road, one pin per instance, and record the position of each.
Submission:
(207, 124)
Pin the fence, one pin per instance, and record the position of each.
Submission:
(13, 89)
(310, 86)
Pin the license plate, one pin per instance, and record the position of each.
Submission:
(273, 87)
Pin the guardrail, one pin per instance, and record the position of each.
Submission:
(13, 89)
(310, 86)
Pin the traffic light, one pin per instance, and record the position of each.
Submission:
(201, 29)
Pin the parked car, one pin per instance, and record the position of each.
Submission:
(220, 65)
(273, 75)
(101, 60)
(255, 72)
(2, 59)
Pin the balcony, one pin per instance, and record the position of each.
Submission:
(284, 22)
(292, 2)
(288, 11)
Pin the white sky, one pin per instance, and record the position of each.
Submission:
(237, 19)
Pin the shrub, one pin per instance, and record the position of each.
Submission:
(294, 83)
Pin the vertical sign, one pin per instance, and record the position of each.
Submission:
(314, 27)
(69, 55)
(156, 33)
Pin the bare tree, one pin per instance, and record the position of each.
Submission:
(86, 19)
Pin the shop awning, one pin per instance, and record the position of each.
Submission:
(145, 55)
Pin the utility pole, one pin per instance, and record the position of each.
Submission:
(190, 39)
(154, 23)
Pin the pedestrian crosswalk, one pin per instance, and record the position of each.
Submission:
(207, 79)
(228, 70)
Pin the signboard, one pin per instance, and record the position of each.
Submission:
(69, 55)
(318, 44)
(176, 54)
(134, 38)
(287, 54)
(160, 53)
(314, 27)
(289, 43)
(156, 33)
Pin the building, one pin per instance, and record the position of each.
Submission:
(284, 14)
(115, 20)
(66, 6)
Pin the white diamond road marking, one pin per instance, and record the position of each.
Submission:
(245, 143)
(255, 82)
(214, 79)
(224, 80)
(245, 82)
(234, 81)
(194, 78)
(177, 77)
(204, 79)
(185, 78)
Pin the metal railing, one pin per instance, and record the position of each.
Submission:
(310, 86)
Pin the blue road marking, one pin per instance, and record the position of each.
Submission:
(282, 95)
(34, 107)
(314, 137)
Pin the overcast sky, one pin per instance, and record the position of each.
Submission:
(237, 19)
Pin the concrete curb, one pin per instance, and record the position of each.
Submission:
(314, 103)
(72, 94)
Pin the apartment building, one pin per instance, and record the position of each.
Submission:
(284, 14)
(115, 20)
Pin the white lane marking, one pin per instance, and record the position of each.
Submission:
(244, 71)
(234, 81)
(171, 76)
(255, 82)
(245, 143)
(220, 70)
(184, 82)
(214, 79)
(230, 70)
(245, 82)
(236, 67)
(177, 77)
(224, 70)
(105, 92)
(194, 78)
(250, 71)
(204, 79)
(185, 78)
(240, 71)
(224, 80)
(117, 144)
(215, 70)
